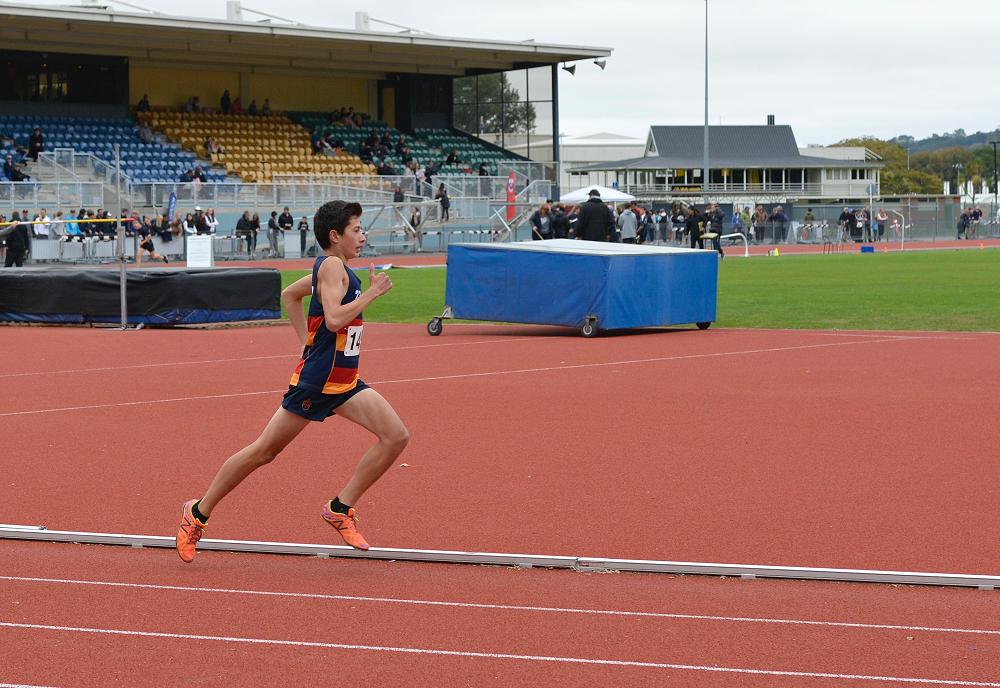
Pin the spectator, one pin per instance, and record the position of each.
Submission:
(266, 107)
(71, 228)
(213, 223)
(225, 103)
(201, 225)
(628, 224)
(146, 134)
(442, 196)
(975, 217)
(12, 171)
(484, 171)
(286, 221)
(541, 223)
(36, 144)
(778, 220)
(453, 158)
(694, 223)
(252, 108)
(810, 217)
(560, 222)
(736, 221)
(680, 223)
(17, 241)
(417, 219)
(303, 233)
(244, 232)
(143, 105)
(595, 222)
(176, 226)
(385, 169)
(273, 232)
(40, 229)
(713, 224)
(880, 221)
(759, 227)
(188, 225)
(213, 147)
(199, 174)
(255, 230)
(186, 177)
(397, 195)
(845, 222)
(964, 220)
(237, 107)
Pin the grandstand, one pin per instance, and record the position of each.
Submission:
(75, 77)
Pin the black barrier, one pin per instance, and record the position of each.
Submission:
(155, 297)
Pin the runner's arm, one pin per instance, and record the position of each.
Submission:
(292, 297)
(332, 284)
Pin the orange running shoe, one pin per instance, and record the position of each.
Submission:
(189, 532)
(346, 525)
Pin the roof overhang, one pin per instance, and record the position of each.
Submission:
(155, 38)
(660, 163)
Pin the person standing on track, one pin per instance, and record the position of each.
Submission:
(324, 382)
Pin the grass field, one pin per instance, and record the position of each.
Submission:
(933, 290)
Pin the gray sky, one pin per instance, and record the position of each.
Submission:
(830, 69)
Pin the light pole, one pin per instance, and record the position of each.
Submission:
(996, 189)
(704, 170)
(958, 180)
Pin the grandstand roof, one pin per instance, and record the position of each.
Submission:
(186, 41)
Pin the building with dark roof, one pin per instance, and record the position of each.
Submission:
(759, 162)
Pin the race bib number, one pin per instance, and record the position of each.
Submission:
(352, 347)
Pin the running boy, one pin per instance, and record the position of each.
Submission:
(324, 382)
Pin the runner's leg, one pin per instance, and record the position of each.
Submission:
(371, 411)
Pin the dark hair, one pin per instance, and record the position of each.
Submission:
(334, 215)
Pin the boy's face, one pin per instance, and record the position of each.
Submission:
(352, 241)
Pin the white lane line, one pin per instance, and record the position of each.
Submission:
(20, 685)
(501, 607)
(259, 358)
(459, 376)
(498, 655)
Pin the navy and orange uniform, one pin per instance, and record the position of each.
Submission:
(327, 373)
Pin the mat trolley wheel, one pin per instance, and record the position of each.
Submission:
(704, 325)
(434, 327)
(589, 328)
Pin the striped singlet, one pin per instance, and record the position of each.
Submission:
(329, 361)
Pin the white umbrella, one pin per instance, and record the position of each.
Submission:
(607, 195)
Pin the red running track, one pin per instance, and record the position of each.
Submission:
(76, 615)
(871, 450)
(844, 450)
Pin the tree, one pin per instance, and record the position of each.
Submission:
(896, 178)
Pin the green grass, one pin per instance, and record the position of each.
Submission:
(933, 290)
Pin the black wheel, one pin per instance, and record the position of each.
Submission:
(589, 330)
(703, 325)
(434, 327)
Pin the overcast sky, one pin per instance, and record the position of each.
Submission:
(831, 69)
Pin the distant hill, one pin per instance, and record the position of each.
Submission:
(957, 138)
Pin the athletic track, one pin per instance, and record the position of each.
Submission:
(802, 448)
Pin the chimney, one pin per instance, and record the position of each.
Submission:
(770, 120)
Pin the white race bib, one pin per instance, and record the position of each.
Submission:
(352, 347)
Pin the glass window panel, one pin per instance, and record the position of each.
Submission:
(489, 88)
(464, 90)
(515, 118)
(540, 83)
(465, 118)
(515, 86)
(490, 119)
(540, 118)
(540, 148)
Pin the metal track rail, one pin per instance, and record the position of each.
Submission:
(746, 571)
